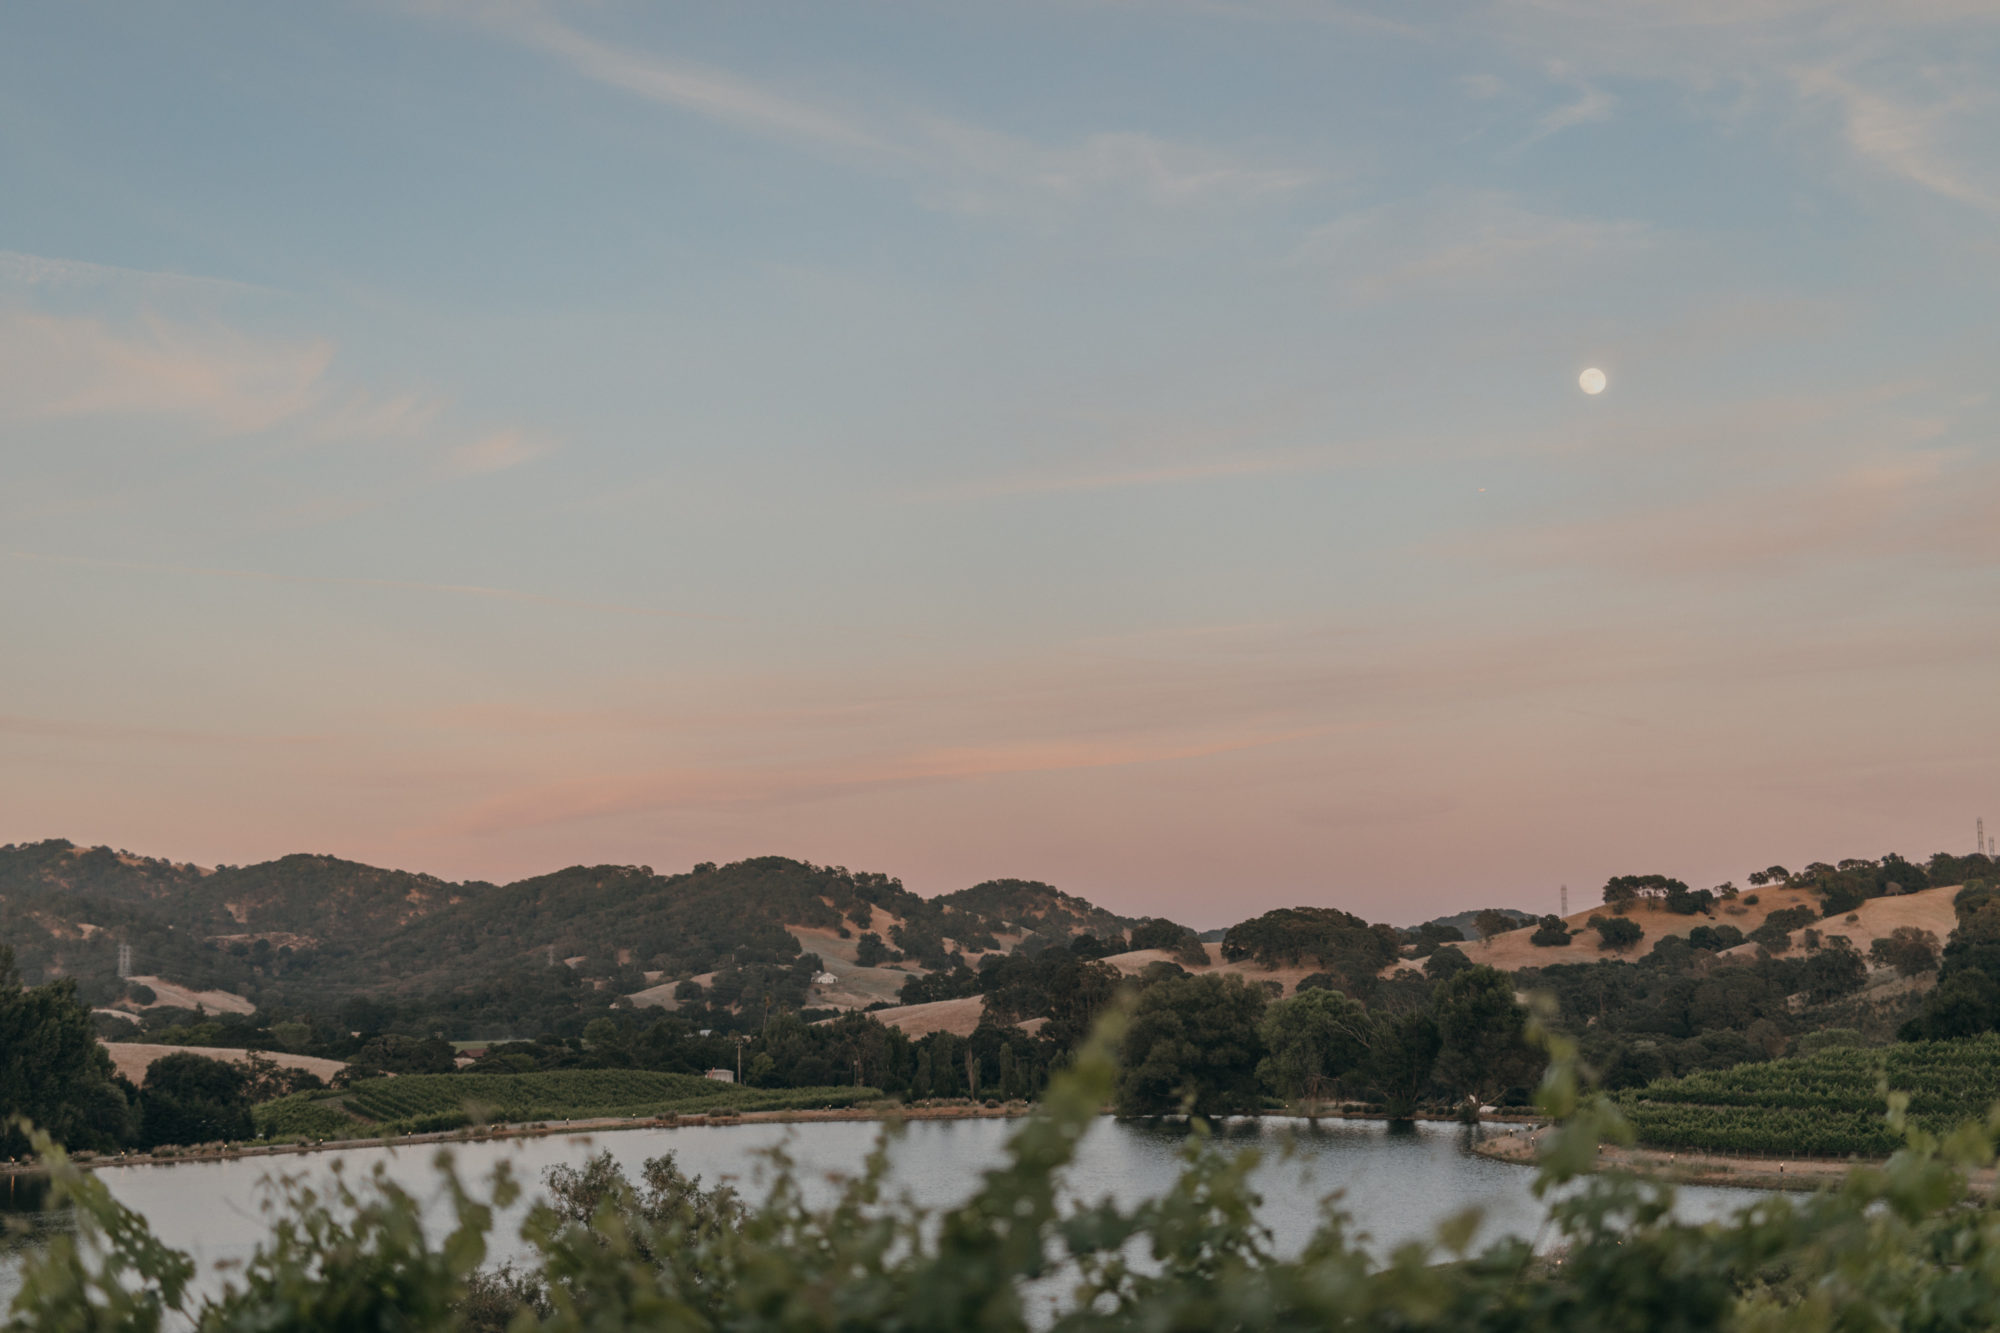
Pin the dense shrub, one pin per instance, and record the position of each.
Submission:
(1552, 931)
(1617, 932)
(1631, 888)
(1289, 936)
(1776, 932)
(1911, 950)
(1181, 941)
(1446, 962)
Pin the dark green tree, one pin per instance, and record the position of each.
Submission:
(1313, 1038)
(190, 1098)
(1834, 971)
(52, 1071)
(1627, 888)
(1967, 999)
(1776, 932)
(396, 1054)
(1485, 1047)
(1911, 950)
(1426, 938)
(1551, 932)
(1401, 1059)
(1963, 1005)
(1178, 940)
(1193, 1045)
(1289, 936)
(1715, 938)
(1616, 932)
(1077, 994)
(1684, 901)
(1448, 960)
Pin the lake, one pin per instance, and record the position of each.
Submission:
(1397, 1183)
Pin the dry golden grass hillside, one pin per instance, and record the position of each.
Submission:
(1875, 919)
(134, 1058)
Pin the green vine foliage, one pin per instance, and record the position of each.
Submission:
(1903, 1246)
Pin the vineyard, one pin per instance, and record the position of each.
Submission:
(1829, 1104)
(303, 1115)
(415, 1103)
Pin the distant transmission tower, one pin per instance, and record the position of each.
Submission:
(1979, 835)
(124, 962)
(1565, 910)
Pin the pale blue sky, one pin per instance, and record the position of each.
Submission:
(1135, 445)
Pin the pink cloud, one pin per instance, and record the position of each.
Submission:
(60, 366)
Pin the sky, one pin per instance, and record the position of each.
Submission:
(1134, 445)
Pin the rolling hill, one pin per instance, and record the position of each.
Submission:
(311, 933)
(361, 948)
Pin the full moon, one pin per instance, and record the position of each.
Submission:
(1591, 381)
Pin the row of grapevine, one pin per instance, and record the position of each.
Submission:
(1832, 1102)
(300, 1116)
(558, 1092)
(441, 1101)
(1768, 1132)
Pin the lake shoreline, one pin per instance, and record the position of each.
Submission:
(1789, 1174)
(612, 1124)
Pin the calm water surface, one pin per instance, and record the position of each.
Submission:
(1396, 1184)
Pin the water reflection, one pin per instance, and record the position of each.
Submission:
(22, 1196)
(27, 1219)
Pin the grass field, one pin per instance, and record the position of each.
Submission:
(415, 1103)
(1829, 1104)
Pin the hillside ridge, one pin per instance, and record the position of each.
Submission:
(343, 943)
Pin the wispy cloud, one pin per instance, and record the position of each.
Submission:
(1914, 504)
(704, 90)
(62, 366)
(494, 453)
(1456, 240)
(1591, 104)
(953, 164)
(472, 590)
(982, 171)
(1883, 81)
(603, 796)
(1905, 139)
(25, 270)
(80, 340)
(120, 733)
(1140, 475)
(1317, 12)
(359, 415)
